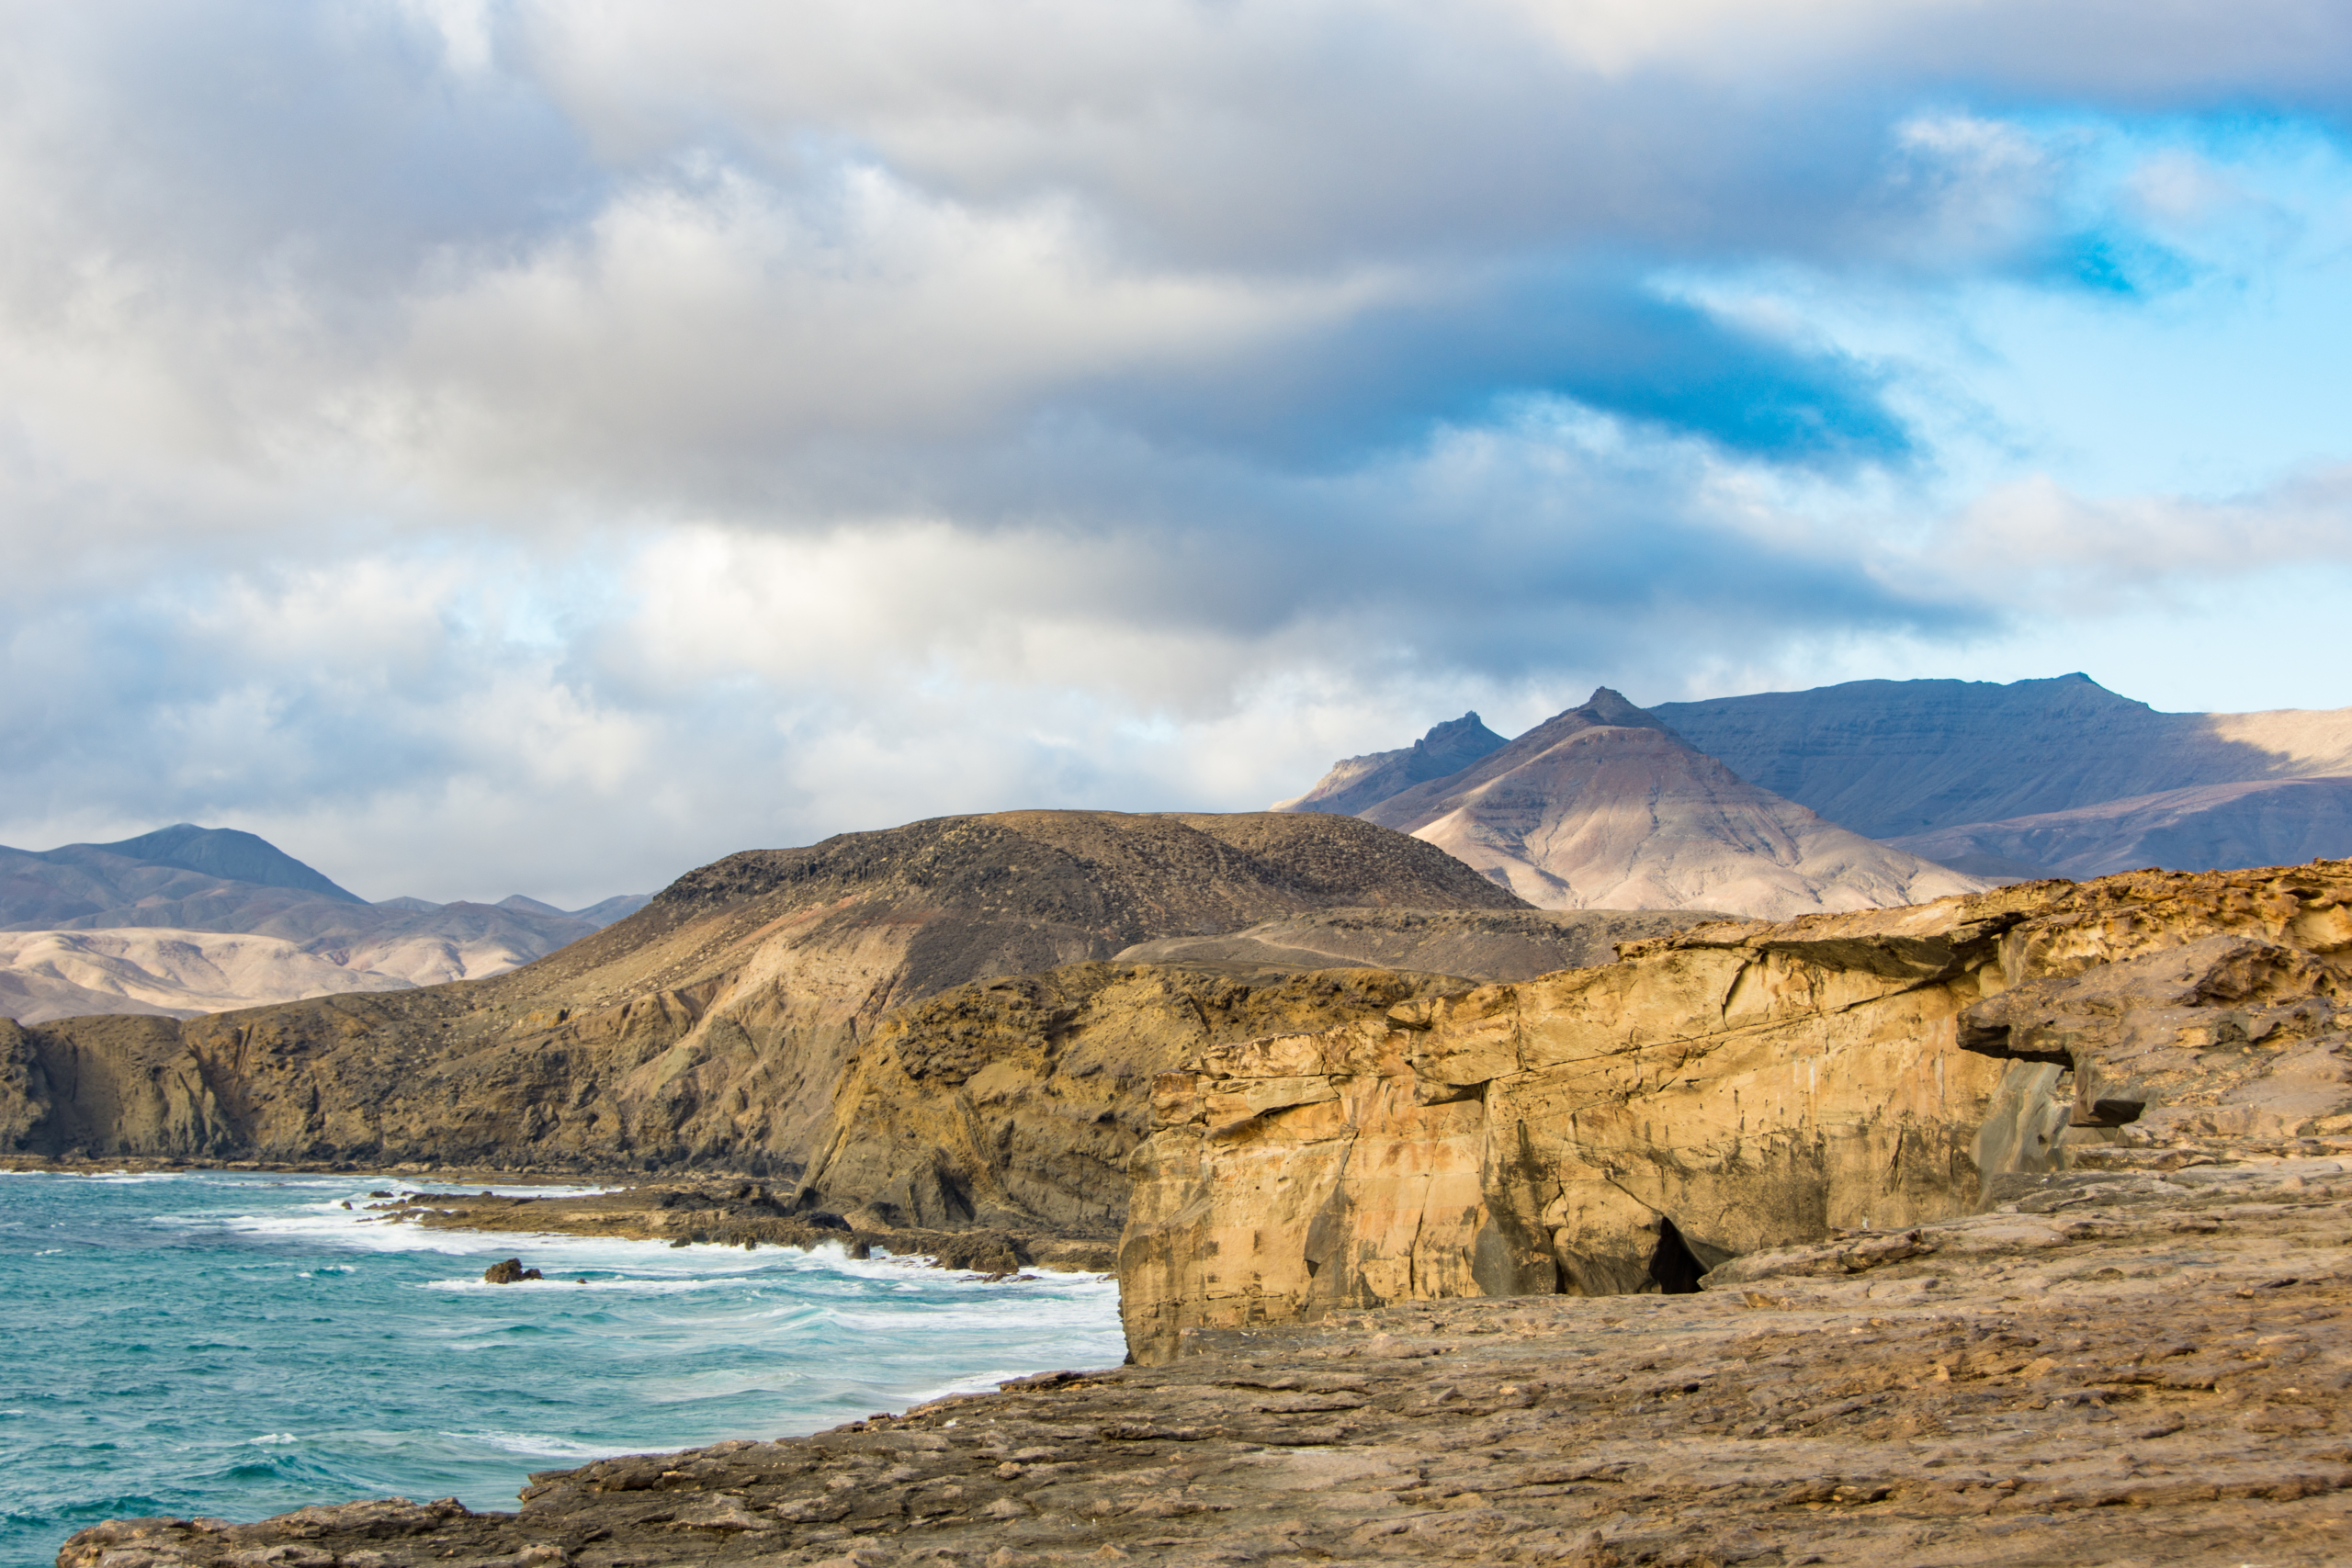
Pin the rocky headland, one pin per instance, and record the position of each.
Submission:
(2004, 1229)
(712, 1028)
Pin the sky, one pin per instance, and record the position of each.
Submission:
(494, 445)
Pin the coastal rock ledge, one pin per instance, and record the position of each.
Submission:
(2012, 1229)
(2143, 1367)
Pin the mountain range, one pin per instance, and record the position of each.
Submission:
(1776, 803)
(2044, 777)
(1604, 807)
(188, 919)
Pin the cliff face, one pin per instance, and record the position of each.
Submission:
(1733, 1088)
(1013, 1104)
(713, 1027)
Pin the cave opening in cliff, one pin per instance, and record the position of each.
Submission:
(1674, 1267)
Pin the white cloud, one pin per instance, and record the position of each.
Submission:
(535, 447)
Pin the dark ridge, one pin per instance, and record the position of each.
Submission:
(227, 853)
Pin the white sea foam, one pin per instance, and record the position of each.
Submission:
(536, 1445)
(274, 1440)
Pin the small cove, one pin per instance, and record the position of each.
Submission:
(239, 1345)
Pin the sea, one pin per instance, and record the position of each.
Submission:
(237, 1344)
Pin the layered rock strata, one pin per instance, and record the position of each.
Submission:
(1735, 1087)
(1894, 757)
(2112, 1367)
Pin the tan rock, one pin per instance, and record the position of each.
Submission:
(1731, 1088)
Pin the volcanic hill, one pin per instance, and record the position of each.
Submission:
(713, 1027)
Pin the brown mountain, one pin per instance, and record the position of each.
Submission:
(712, 1027)
(1603, 806)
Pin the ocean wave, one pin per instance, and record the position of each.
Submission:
(537, 1445)
(274, 1440)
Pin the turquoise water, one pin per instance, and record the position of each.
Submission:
(238, 1345)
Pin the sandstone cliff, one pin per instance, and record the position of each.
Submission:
(712, 1028)
(1735, 1087)
(1604, 807)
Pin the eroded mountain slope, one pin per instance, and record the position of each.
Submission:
(1888, 757)
(712, 1027)
(1603, 806)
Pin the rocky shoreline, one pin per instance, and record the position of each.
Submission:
(2132, 1365)
(2014, 1229)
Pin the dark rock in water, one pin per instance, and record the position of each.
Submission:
(510, 1272)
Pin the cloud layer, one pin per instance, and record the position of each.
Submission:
(493, 447)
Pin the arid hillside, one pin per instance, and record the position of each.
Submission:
(1889, 758)
(710, 1029)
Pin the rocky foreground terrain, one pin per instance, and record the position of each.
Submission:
(2115, 1366)
(2014, 1228)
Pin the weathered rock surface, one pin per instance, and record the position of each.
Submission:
(2116, 1367)
(1483, 944)
(1603, 806)
(1013, 1104)
(1888, 757)
(712, 1028)
(2224, 827)
(1735, 1087)
(1356, 783)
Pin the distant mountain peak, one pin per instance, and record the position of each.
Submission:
(528, 906)
(1604, 805)
(1356, 783)
(230, 855)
